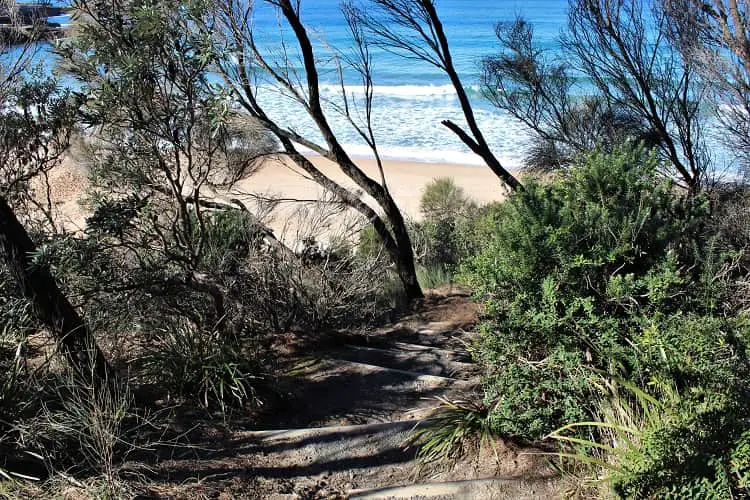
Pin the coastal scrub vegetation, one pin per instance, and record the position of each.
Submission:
(614, 290)
(610, 278)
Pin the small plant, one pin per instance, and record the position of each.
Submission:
(434, 276)
(202, 366)
(442, 199)
(82, 427)
(456, 425)
(625, 411)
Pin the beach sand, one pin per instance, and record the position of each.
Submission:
(406, 180)
(277, 178)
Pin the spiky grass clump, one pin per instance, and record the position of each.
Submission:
(455, 428)
(430, 277)
(666, 444)
(203, 366)
(625, 411)
(85, 421)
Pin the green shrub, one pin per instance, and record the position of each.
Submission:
(439, 243)
(705, 360)
(447, 213)
(682, 430)
(571, 270)
(201, 366)
(229, 236)
(604, 296)
(442, 199)
(369, 245)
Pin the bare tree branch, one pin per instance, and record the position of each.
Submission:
(412, 28)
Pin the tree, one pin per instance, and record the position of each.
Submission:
(532, 86)
(641, 87)
(35, 127)
(623, 48)
(715, 36)
(245, 64)
(413, 29)
(164, 142)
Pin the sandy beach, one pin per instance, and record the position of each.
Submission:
(276, 178)
(406, 180)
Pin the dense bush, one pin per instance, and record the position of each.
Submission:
(609, 270)
(703, 417)
(572, 269)
(447, 213)
(243, 279)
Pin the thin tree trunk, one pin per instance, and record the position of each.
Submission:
(402, 252)
(52, 308)
(476, 142)
(404, 261)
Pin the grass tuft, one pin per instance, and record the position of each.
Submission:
(456, 426)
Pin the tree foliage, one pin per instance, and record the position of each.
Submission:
(621, 79)
(713, 35)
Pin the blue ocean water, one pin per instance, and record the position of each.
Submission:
(412, 97)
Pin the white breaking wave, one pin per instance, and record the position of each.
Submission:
(408, 125)
(416, 154)
(398, 91)
(330, 90)
(420, 155)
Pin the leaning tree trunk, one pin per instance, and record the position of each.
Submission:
(403, 253)
(51, 307)
(399, 243)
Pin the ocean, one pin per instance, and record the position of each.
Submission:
(412, 97)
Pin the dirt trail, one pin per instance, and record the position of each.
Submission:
(343, 428)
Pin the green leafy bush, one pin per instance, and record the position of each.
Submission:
(678, 430)
(447, 211)
(442, 199)
(572, 268)
(705, 360)
(609, 274)
(228, 237)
